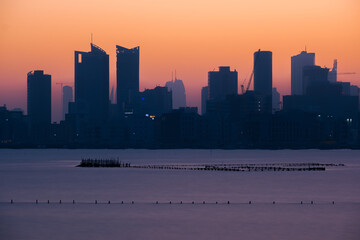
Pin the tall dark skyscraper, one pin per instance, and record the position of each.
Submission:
(127, 77)
(315, 78)
(67, 96)
(297, 64)
(263, 72)
(263, 78)
(39, 98)
(204, 98)
(92, 83)
(222, 83)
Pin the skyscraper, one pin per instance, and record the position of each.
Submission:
(332, 76)
(39, 98)
(92, 83)
(315, 79)
(263, 72)
(67, 96)
(178, 93)
(263, 78)
(127, 77)
(155, 101)
(222, 83)
(204, 98)
(297, 64)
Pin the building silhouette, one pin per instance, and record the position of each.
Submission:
(204, 98)
(39, 97)
(67, 96)
(178, 93)
(92, 83)
(332, 76)
(155, 101)
(38, 104)
(263, 72)
(276, 104)
(297, 64)
(263, 76)
(222, 83)
(127, 77)
(315, 79)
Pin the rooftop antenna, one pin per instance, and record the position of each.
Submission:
(91, 38)
(305, 48)
(175, 74)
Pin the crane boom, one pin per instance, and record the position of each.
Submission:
(250, 79)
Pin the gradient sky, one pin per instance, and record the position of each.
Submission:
(190, 36)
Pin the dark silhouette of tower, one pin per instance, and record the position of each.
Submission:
(263, 77)
(92, 83)
(298, 62)
(315, 81)
(67, 96)
(204, 98)
(38, 104)
(127, 77)
(222, 83)
(263, 72)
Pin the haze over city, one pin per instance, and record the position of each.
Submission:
(189, 37)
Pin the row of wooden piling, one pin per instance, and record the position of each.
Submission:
(170, 202)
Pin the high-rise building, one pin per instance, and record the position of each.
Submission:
(204, 98)
(67, 96)
(39, 98)
(155, 101)
(297, 64)
(178, 93)
(263, 72)
(222, 83)
(92, 83)
(332, 76)
(275, 100)
(315, 79)
(263, 78)
(127, 77)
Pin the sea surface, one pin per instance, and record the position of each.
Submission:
(131, 203)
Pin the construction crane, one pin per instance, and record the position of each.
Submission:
(62, 83)
(346, 73)
(250, 79)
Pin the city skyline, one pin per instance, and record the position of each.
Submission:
(192, 41)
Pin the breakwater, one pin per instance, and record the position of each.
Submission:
(213, 167)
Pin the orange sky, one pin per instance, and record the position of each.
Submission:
(190, 36)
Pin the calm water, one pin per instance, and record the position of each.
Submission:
(29, 175)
